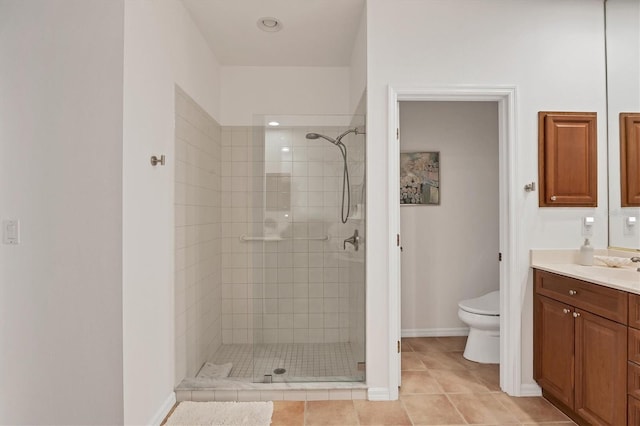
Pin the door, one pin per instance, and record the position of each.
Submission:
(399, 330)
(568, 169)
(399, 255)
(601, 369)
(630, 159)
(553, 336)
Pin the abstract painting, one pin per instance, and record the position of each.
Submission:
(419, 178)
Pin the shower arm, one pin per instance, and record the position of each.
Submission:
(354, 130)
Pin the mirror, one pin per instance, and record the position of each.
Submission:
(623, 96)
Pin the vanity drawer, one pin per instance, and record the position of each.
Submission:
(606, 302)
(634, 310)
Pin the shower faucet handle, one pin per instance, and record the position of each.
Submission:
(354, 240)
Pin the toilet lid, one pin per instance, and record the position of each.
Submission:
(489, 304)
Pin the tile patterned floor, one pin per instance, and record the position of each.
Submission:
(302, 362)
(439, 387)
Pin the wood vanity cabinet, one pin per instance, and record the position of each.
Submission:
(633, 374)
(580, 348)
(567, 159)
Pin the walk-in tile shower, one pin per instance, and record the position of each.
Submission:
(264, 278)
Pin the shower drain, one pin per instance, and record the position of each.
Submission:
(279, 371)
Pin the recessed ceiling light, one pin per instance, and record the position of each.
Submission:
(269, 24)
(273, 123)
(285, 149)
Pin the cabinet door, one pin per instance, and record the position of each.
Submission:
(601, 369)
(634, 310)
(630, 158)
(567, 159)
(634, 412)
(553, 337)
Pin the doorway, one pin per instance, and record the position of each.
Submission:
(450, 244)
(510, 310)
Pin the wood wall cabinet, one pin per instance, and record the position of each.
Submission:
(580, 357)
(630, 159)
(567, 159)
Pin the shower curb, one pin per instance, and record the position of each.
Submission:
(269, 393)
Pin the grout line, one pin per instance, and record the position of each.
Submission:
(405, 410)
(456, 408)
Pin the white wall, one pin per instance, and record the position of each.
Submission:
(450, 250)
(61, 175)
(358, 65)
(282, 91)
(553, 51)
(162, 47)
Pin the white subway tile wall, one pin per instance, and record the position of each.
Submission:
(198, 307)
(278, 184)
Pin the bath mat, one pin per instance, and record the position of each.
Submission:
(214, 371)
(222, 413)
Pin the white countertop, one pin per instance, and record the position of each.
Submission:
(563, 262)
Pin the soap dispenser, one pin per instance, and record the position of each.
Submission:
(586, 254)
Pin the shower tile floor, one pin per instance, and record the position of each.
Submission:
(302, 361)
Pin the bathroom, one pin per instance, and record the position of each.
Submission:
(450, 247)
(122, 211)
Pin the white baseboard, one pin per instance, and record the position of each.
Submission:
(378, 394)
(434, 332)
(163, 410)
(530, 389)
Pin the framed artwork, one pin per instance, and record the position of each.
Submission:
(419, 178)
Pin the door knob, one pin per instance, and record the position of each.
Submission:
(566, 311)
(576, 314)
(572, 292)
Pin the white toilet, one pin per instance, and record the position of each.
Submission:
(482, 315)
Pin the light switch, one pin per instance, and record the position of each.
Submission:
(11, 231)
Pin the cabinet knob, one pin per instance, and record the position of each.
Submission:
(572, 292)
(553, 198)
(576, 314)
(566, 311)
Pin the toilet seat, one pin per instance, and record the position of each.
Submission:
(489, 304)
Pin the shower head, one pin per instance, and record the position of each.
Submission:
(318, 135)
(336, 141)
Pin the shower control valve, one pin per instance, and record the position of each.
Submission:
(354, 240)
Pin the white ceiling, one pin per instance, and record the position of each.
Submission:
(314, 33)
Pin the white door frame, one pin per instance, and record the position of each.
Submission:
(510, 291)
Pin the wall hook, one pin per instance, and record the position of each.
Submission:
(155, 160)
(530, 187)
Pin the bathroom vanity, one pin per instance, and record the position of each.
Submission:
(587, 340)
